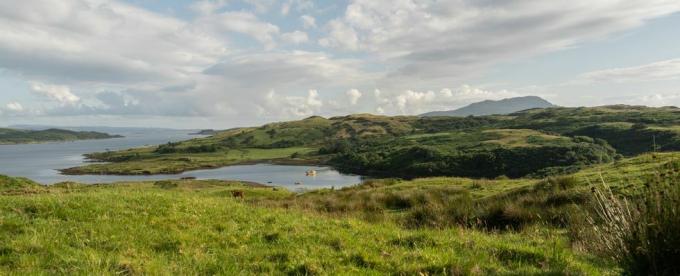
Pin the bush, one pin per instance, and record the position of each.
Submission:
(642, 234)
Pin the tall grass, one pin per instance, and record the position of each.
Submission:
(641, 233)
(443, 205)
(196, 227)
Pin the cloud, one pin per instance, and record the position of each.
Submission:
(132, 103)
(296, 70)
(656, 71)
(416, 102)
(295, 37)
(14, 107)
(279, 106)
(207, 6)
(225, 59)
(437, 39)
(353, 96)
(100, 42)
(308, 22)
(298, 5)
(241, 22)
(340, 36)
(59, 93)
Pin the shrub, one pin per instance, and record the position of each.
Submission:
(641, 234)
(165, 184)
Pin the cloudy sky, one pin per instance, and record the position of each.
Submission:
(226, 63)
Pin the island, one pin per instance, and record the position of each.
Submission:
(23, 136)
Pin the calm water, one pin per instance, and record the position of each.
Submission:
(40, 163)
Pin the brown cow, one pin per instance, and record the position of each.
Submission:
(237, 194)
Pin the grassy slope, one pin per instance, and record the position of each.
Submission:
(196, 227)
(15, 136)
(629, 129)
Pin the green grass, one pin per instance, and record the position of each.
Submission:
(196, 227)
(12, 183)
(625, 175)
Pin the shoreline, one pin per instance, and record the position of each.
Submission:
(75, 171)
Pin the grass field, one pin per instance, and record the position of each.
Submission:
(196, 227)
(380, 227)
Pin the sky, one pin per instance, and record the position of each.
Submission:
(231, 63)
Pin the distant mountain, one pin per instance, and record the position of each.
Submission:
(489, 107)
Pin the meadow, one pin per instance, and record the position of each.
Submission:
(558, 191)
(197, 227)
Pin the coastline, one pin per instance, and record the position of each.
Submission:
(278, 161)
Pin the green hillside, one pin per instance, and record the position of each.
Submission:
(473, 153)
(17, 136)
(536, 142)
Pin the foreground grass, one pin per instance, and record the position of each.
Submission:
(196, 227)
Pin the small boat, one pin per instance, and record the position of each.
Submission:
(298, 183)
(310, 173)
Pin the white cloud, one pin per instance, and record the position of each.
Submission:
(308, 22)
(447, 93)
(59, 93)
(655, 99)
(14, 107)
(295, 37)
(114, 58)
(340, 36)
(242, 22)
(101, 42)
(416, 102)
(353, 95)
(410, 100)
(207, 6)
(656, 71)
(436, 39)
(298, 5)
(296, 70)
(276, 105)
